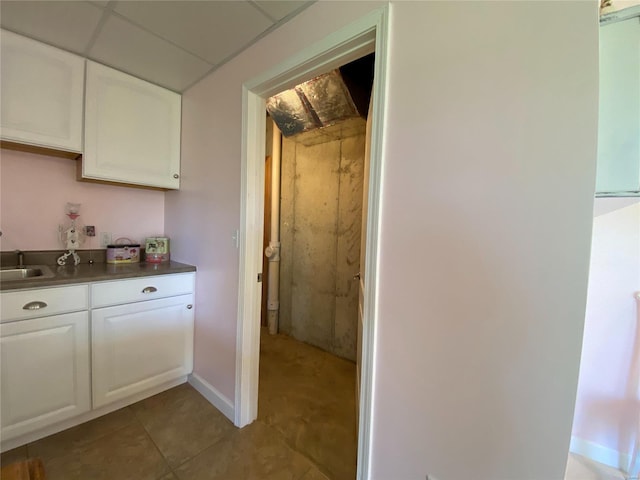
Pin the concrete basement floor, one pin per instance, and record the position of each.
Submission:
(306, 429)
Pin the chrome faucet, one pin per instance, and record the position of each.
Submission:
(20, 255)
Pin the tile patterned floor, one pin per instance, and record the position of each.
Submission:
(305, 429)
(582, 468)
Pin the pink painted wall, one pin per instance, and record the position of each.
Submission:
(486, 225)
(607, 413)
(487, 201)
(36, 188)
(201, 220)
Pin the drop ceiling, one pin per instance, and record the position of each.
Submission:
(170, 43)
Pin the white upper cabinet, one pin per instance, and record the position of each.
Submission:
(132, 130)
(618, 171)
(41, 99)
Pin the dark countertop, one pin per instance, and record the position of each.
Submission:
(97, 272)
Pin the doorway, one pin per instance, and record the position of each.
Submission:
(308, 353)
(316, 136)
(352, 42)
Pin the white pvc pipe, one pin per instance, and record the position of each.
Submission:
(273, 250)
(276, 160)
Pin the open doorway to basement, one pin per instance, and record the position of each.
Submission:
(343, 46)
(314, 184)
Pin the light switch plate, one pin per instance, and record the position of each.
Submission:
(105, 239)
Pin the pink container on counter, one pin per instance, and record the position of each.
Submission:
(123, 252)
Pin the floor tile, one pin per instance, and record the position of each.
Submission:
(127, 453)
(254, 453)
(314, 474)
(73, 439)
(181, 423)
(582, 468)
(15, 455)
(308, 396)
(147, 410)
(169, 476)
(306, 429)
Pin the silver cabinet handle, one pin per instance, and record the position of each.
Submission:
(34, 305)
(149, 290)
(356, 276)
(189, 306)
(175, 175)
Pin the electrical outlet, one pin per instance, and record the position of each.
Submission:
(105, 239)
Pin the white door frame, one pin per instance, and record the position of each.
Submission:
(350, 43)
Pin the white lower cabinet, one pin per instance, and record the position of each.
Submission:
(44, 372)
(55, 373)
(140, 345)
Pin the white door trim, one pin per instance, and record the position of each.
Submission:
(350, 43)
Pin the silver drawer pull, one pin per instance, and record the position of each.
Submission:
(189, 306)
(34, 305)
(149, 290)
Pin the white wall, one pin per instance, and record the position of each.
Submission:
(605, 425)
(619, 112)
(487, 191)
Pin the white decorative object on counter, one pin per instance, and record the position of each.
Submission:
(71, 237)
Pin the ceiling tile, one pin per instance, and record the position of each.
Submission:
(212, 30)
(67, 25)
(139, 53)
(278, 9)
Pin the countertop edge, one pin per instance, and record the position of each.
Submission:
(97, 272)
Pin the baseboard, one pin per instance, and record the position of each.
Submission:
(601, 454)
(214, 396)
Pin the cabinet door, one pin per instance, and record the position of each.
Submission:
(139, 346)
(44, 373)
(42, 94)
(618, 171)
(132, 130)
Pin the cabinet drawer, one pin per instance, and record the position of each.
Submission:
(43, 301)
(140, 289)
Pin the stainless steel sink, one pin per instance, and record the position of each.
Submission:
(28, 272)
